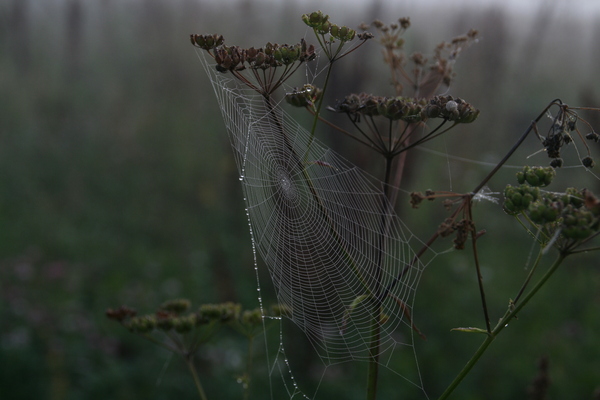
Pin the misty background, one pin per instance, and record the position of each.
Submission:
(117, 186)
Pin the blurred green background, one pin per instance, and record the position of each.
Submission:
(117, 186)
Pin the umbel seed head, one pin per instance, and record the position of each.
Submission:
(342, 33)
(517, 199)
(536, 176)
(207, 42)
(317, 20)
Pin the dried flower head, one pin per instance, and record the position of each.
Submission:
(564, 130)
(464, 228)
(207, 42)
(416, 198)
(284, 59)
(451, 109)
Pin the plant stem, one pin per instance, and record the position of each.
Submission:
(190, 363)
(479, 275)
(317, 113)
(510, 314)
(375, 344)
(531, 127)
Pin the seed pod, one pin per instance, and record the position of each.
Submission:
(315, 19)
(588, 162)
(432, 111)
(592, 136)
(556, 163)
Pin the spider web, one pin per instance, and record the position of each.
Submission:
(334, 248)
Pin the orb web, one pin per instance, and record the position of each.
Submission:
(332, 244)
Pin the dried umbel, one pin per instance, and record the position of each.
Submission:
(393, 108)
(565, 128)
(451, 109)
(207, 42)
(464, 228)
(407, 109)
(342, 33)
(283, 59)
(400, 108)
(422, 75)
(322, 26)
(272, 55)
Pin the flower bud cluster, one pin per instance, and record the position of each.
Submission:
(576, 213)
(342, 33)
(579, 223)
(544, 211)
(517, 199)
(536, 176)
(309, 95)
(317, 20)
(321, 24)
